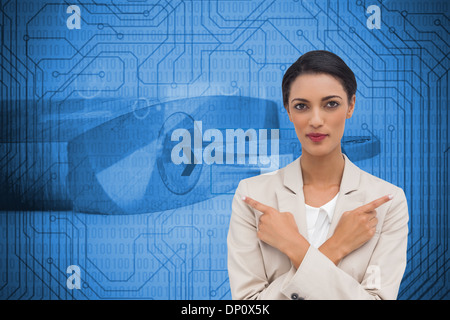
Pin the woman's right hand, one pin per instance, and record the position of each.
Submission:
(354, 228)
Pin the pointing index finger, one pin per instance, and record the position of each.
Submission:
(257, 205)
(376, 203)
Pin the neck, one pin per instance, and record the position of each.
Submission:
(322, 171)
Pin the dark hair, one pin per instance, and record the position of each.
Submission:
(319, 61)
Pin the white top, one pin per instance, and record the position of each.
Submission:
(318, 221)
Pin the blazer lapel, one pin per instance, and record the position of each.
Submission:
(349, 197)
(291, 198)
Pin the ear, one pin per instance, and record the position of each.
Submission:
(351, 107)
(289, 114)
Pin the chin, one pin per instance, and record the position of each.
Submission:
(318, 151)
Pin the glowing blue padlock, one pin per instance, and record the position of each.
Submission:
(126, 166)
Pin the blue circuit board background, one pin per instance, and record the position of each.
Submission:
(131, 58)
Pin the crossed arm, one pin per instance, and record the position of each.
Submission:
(279, 230)
(314, 272)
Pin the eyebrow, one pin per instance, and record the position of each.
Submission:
(323, 99)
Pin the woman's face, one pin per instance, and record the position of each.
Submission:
(318, 104)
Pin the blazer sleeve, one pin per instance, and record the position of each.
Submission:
(318, 278)
(246, 271)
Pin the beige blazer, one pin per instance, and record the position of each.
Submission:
(373, 271)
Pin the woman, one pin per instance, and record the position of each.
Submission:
(319, 228)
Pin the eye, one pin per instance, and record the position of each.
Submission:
(332, 104)
(300, 106)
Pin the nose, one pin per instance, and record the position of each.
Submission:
(316, 119)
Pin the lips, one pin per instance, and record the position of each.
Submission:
(316, 137)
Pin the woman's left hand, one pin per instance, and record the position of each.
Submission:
(279, 230)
